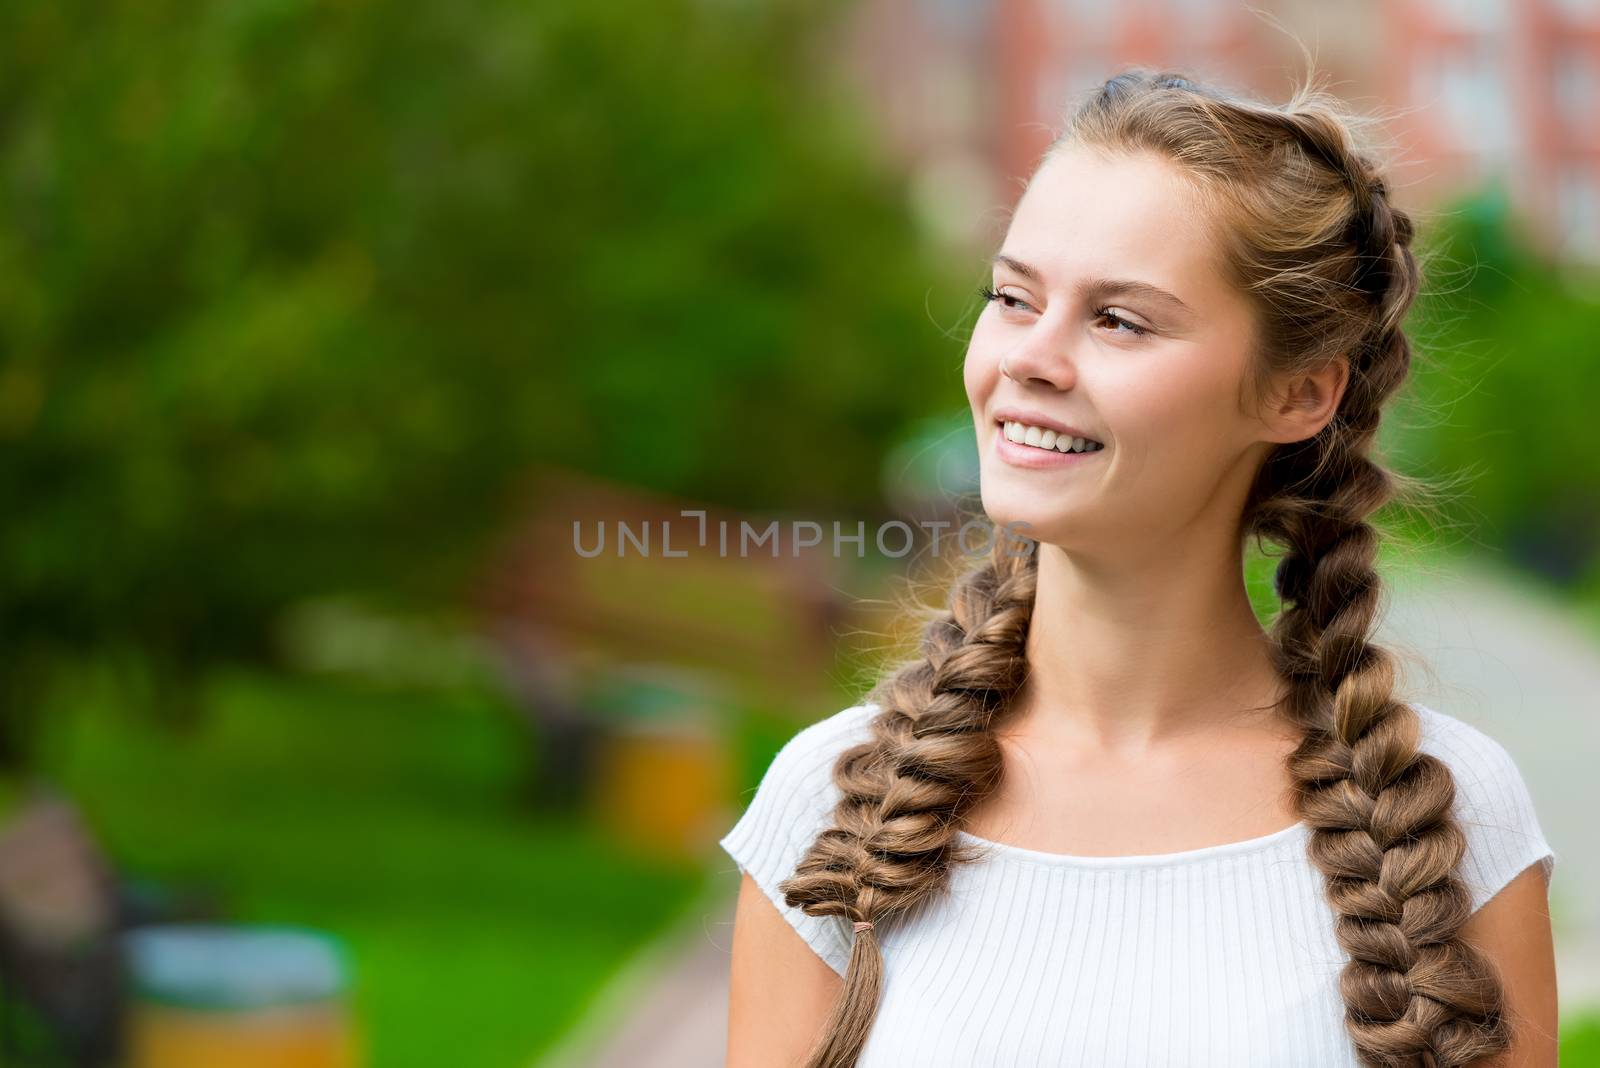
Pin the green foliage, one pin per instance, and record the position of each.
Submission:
(1502, 393)
(294, 291)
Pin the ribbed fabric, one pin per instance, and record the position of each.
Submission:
(1218, 956)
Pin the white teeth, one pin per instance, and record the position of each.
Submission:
(1043, 438)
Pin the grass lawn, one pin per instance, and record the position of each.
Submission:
(477, 932)
(1580, 1041)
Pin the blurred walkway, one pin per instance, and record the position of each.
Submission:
(1503, 659)
(669, 1008)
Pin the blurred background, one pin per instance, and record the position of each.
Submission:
(327, 327)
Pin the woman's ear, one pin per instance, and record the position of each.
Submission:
(1302, 404)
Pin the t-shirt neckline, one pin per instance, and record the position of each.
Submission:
(1281, 836)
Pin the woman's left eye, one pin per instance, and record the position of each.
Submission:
(1135, 329)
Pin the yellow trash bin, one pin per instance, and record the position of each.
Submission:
(660, 770)
(660, 785)
(237, 996)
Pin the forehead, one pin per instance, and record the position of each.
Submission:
(1122, 215)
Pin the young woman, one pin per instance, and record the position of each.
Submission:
(1104, 818)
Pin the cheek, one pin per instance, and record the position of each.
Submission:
(1185, 411)
(1155, 402)
(979, 373)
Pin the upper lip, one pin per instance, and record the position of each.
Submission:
(1039, 419)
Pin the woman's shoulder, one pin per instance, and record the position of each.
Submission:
(828, 736)
(793, 803)
(1484, 769)
(1493, 804)
(797, 786)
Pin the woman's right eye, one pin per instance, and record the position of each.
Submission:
(1006, 299)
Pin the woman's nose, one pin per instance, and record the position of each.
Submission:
(1042, 357)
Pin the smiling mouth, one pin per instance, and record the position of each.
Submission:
(1045, 439)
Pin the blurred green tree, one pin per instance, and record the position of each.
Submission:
(1503, 391)
(290, 292)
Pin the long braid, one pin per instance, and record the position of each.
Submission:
(1380, 811)
(931, 757)
(1383, 833)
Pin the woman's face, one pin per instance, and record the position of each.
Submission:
(1114, 320)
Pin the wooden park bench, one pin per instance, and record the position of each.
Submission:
(751, 626)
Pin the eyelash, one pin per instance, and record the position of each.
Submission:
(991, 295)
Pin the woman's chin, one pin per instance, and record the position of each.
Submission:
(1020, 517)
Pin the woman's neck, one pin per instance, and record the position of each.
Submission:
(1124, 658)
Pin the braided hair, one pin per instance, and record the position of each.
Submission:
(1311, 237)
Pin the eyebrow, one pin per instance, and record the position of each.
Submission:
(1101, 286)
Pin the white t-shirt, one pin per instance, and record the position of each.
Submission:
(1220, 956)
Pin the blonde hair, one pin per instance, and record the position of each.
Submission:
(1309, 234)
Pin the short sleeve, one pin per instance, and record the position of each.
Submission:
(1493, 806)
(791, 805)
